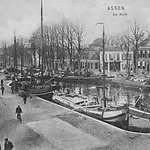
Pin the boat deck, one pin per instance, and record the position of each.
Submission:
(129, 83)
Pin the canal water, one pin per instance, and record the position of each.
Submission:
(118, 95)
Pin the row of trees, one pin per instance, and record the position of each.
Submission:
(66, 41)
(59, 41)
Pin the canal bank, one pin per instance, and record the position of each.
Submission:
(47, 126)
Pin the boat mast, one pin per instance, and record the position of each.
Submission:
(15, 54)
(22, 57)
(104, 99)
(42, 41)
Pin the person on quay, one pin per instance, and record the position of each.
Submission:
(18, 112)
(25, 97)
(12, 89)
(16, 85)
(2, 89)
(2, 82)
(12, 86)
(8, 145)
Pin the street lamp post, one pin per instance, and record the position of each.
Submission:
(104, 99)
(42, 65)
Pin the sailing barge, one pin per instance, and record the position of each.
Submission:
(113, 114)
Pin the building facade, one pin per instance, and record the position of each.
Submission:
(115, 60)
(144, 58)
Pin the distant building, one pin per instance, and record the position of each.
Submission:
(144, 57)
(115, 60)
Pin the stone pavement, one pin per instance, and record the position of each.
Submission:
(47, 126)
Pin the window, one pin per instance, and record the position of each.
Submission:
(106, 65)
(118, 57)
(139, 54)
(91, 66)
(143, 54)
(144, 65)
(130, 56)
(88, 65)
(123, 56)
(148, 54)
(123, 67)
(110, 57)
(106, 57)
(96, 65)
(83, 66)
(138, 63)
(87, 56)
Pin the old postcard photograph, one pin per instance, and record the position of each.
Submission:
(75, 75)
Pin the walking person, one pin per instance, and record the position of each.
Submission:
(8, 145)
(2, 89)
(18, 112)
(25, 95)
(24, 99)
(16, 85)
(12, 84)
(12, 88)
(2, 82)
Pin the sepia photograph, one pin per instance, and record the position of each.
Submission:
(75, 75)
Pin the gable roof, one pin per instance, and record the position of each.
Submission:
(112, 48)
(95, 56)
(146, 47)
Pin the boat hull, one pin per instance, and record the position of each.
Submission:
(139, 121)
(139, 113)
(45, 92)
(119, 120)
(77, 79)
(47, 96)
(139, 125)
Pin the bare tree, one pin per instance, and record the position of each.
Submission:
(126, 44)
(138, 35)
(69, 40)
(62, 41)
(78, 34)
(50, 46)
(33, 49)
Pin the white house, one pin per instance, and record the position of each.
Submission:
(115, 60)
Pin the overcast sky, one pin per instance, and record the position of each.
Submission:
(24, 16)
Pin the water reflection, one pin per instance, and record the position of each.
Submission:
(117, 94)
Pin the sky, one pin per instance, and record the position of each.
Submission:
(23, 16)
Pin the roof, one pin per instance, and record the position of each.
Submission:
(95, 56)
(110, 48)
(145, 47)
